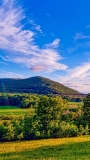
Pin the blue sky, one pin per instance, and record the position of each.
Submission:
(46, 38)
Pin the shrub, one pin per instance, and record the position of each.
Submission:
(69, 130)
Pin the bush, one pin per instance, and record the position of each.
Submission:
(86, 130)
(2, 131)
(68, 130)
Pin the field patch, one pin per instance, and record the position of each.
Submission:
(8, 107)
(7, 110)
(47, 149)
(75, 103)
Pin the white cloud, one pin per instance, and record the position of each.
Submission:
(3, 58)
(81, 36)
(54, 44)
(77, 78)
(20, 42)
(35, 26)
(80, 71)
(38, 28)
(46, 61)
(6, 74)
(72, 49)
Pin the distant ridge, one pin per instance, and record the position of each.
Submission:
(37, 85)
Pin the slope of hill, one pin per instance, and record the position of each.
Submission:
(37, 85)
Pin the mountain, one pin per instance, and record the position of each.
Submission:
(37, 85)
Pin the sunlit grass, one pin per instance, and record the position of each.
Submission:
(75, 103)
(8, 107)
(7, 110)
(77, 148)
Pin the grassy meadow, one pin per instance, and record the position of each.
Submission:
(77, 148)
(7, 110)
(75, 103)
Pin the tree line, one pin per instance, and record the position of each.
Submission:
(23, 100)
(52, 117)
(17, 99)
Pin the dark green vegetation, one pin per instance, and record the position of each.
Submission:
(86, 109)
(18, 100)
(37, 85)
(46, 117)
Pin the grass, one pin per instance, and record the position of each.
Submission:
(77, 148)
(79, 104)
(8, 107)
(7, 110)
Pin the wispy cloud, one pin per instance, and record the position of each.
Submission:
(80, 71)
(6, 74)
(4, 63)
(81, 36)
(20, 42)
(72, 49)
(3, 58)
(35, 26)
(54, 44)
(46, 61)
(88, 26)
(77, 78)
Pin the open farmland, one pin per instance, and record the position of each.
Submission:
(7, 110)
(47, 149)
(76, 103)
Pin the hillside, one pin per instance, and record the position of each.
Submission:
(38, 85)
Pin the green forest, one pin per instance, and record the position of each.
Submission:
(52, 117)
(36, 85)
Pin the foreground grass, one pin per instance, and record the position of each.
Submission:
(77, 148)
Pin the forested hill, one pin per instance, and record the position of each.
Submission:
(37, 85)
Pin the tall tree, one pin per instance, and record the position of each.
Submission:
(49, 111)
(86, 110)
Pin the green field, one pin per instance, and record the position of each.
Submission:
(7, 110)
(75, 103)
(8, 107)
(77, 148)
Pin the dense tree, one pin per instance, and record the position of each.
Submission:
(31, 125)
(48, 113)
(10, 134)
(2, 131)
(86, 110)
